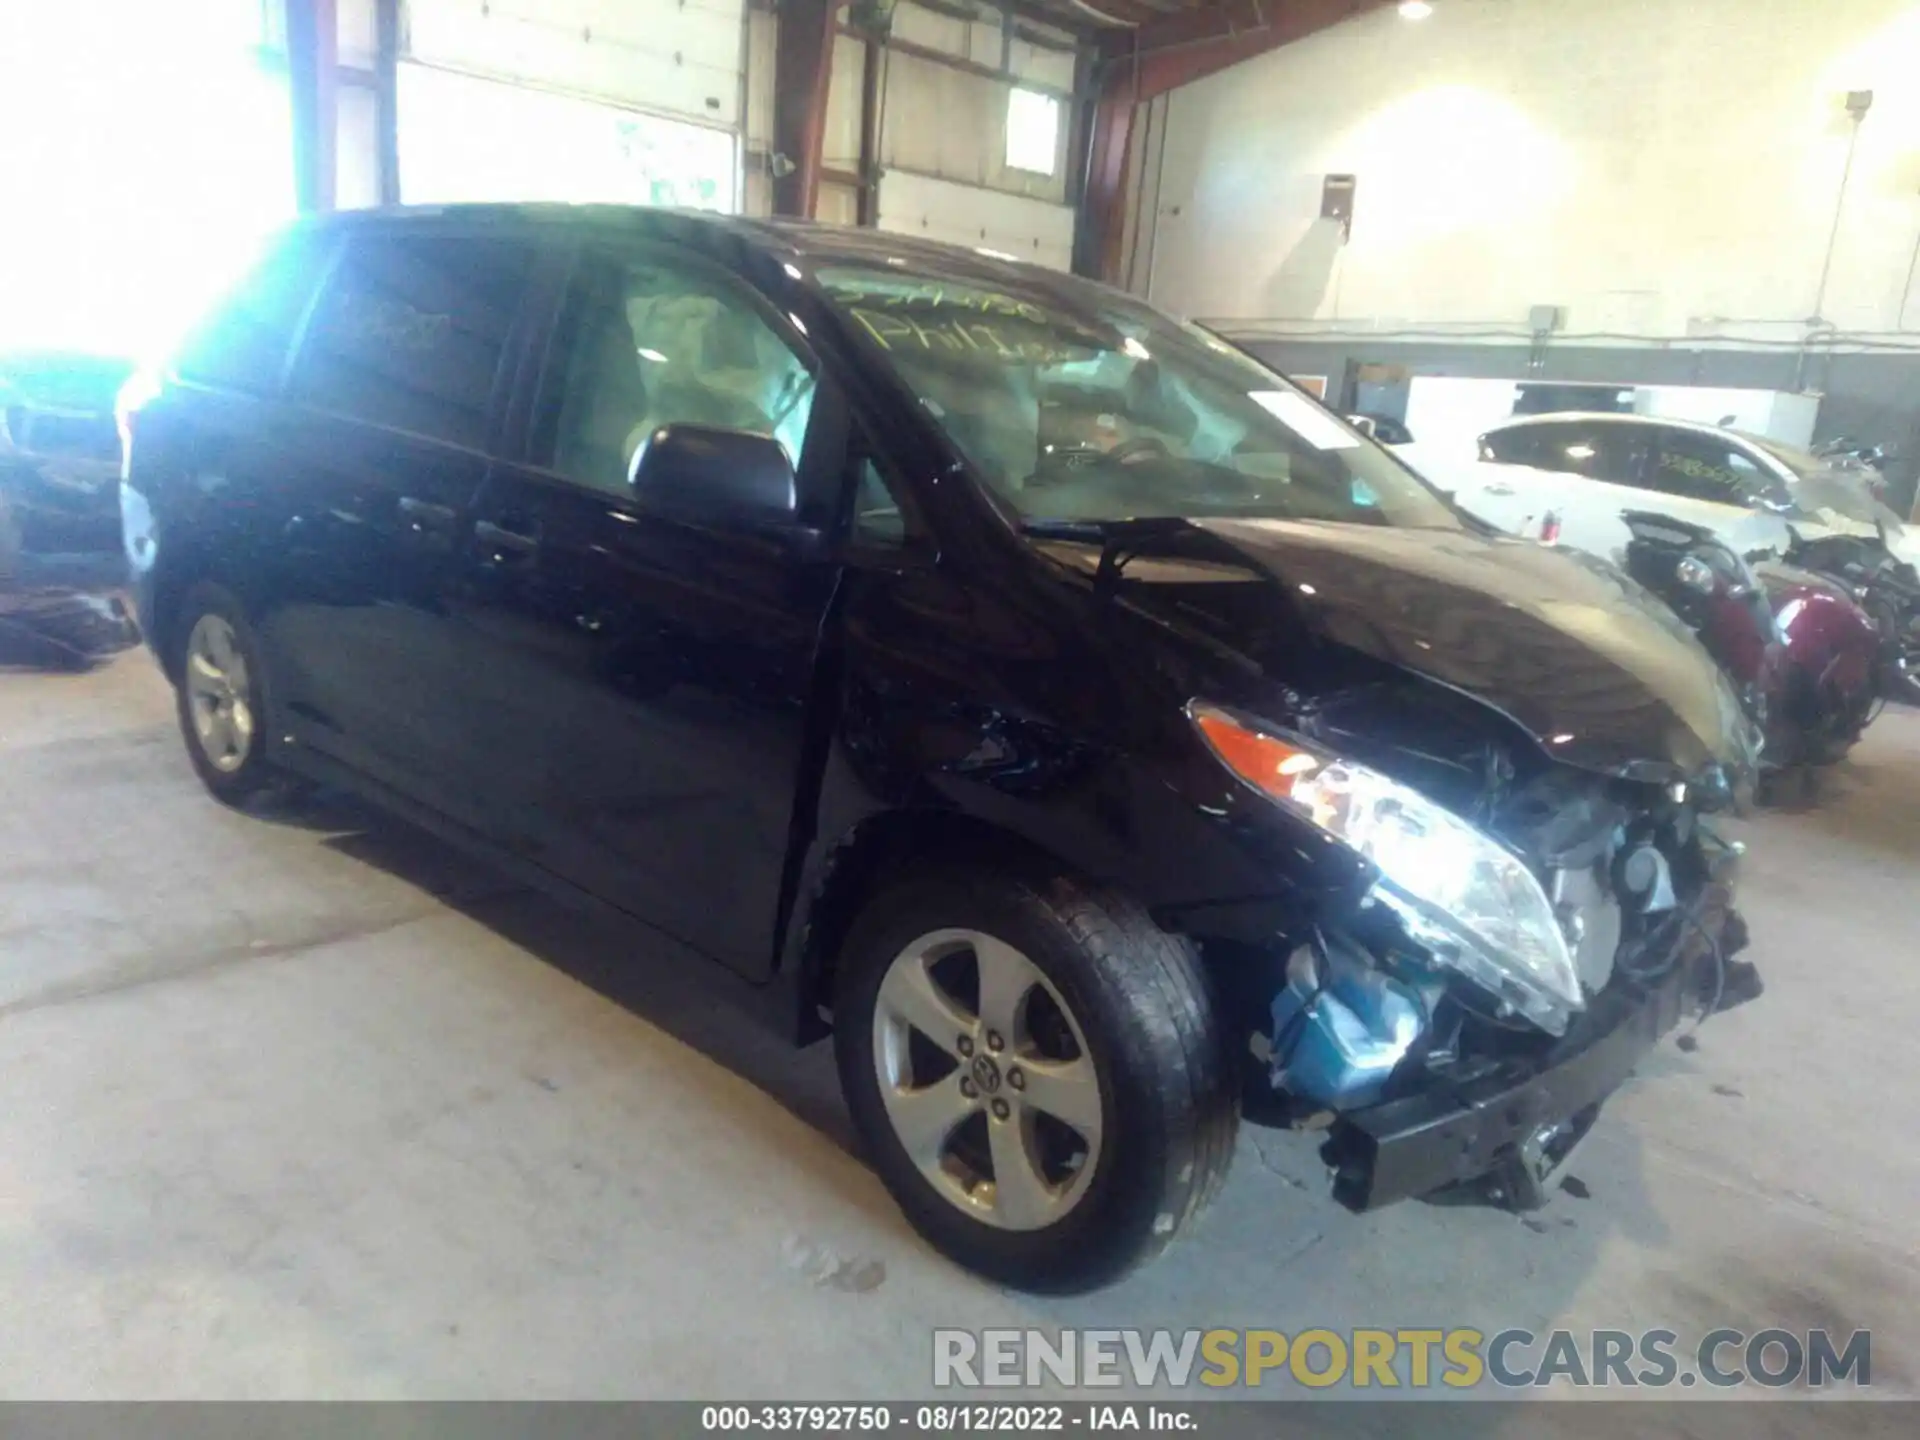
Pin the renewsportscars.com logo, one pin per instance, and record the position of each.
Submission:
(1458, 1359)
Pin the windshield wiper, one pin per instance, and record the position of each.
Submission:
(1096, 531)
(1119, 540)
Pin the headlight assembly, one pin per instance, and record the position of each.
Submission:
(1696, 574)
(1712, 567)
(1472, 903)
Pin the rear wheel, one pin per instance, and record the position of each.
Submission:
(1036, 1072)
(219, 697)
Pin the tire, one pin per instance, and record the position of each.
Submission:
(234, 776)
(1136, 1006)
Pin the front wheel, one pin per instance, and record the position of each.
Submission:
(1037, 1073)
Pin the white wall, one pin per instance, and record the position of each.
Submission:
(1659, 169)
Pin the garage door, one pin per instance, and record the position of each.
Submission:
(464, 139)
(1015, 225)
(634, 101)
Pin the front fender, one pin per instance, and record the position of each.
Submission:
(1166, 824)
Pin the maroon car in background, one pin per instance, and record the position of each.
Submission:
(1805, 659)
(1831, 687)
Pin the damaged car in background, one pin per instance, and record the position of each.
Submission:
(1096, 736)
(1811, 662)
(62, 572)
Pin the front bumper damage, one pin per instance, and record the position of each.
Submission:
(1511, 1131)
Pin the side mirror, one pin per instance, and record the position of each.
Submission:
(706, 475)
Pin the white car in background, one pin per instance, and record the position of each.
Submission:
(1570, 477)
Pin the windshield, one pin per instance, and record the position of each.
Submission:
(1073, 404)
(1821, 488)
(1803, 463)
(1834, 492)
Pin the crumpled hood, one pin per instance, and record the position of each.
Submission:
(1590, 664)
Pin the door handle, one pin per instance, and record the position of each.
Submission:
(517, 542)
(426, 512)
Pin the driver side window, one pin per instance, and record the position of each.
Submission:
(652, 341)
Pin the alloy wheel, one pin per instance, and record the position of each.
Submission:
(220, 694)
(987, 1079)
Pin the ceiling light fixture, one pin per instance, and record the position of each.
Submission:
(1415, 9)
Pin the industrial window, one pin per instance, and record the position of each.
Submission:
(1033, 132)
(411, 331)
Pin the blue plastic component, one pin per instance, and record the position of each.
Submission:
(1339, 1029)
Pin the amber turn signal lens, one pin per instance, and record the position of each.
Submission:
(1272, 765)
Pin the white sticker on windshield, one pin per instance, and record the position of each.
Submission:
(1305, 419)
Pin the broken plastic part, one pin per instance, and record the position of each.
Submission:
(1341, 1027)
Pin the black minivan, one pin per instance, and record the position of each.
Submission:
(1096, 735)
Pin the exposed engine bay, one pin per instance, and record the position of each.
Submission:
(1363, 1014)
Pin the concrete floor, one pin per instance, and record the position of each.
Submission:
(300, 1110)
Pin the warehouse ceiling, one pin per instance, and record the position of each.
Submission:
(1226, 16)
(1104, 14)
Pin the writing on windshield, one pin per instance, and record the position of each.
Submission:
(1071, 404)
(936, 317)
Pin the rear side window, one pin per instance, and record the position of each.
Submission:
(411, 331)
(1523, 446)
(1598, 451)
(242, 345)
